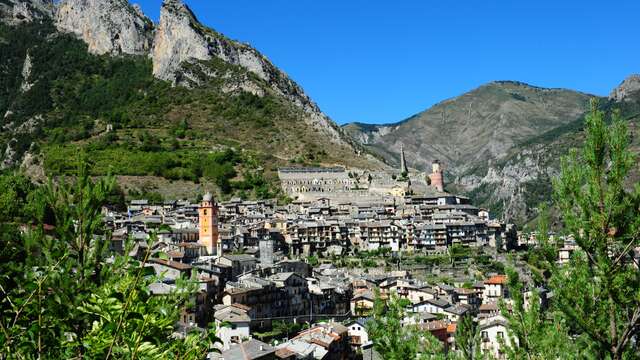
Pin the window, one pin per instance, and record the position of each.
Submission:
(500, 334)
(485, 335)
(205, 212)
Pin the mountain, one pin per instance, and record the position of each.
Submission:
(475, 128)
(168, 107)
(500, 143)
(518, 182)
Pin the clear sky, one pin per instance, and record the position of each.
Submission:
(382, 61)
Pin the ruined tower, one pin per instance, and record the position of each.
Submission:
(436, 176)
(208, 224)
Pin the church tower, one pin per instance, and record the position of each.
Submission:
(403, 161)
(208, 224)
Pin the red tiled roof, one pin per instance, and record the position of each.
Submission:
(496, 280)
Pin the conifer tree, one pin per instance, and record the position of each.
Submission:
(598, 292)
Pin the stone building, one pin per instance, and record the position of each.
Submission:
(297, 181)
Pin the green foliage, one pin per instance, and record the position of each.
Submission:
(541, 259)
(313, 261)
(62, 299)
(15, 195)
(397, 341)
(531, 335)
(599, 291)
(468, 339)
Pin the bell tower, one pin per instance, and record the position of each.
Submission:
(208, 224)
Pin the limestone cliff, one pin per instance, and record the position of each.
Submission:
(14, 12)
(629, 86)
(181, 39)
(107, 26)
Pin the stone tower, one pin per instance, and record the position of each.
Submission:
(208, 224)
(436, 176)
(403, 161)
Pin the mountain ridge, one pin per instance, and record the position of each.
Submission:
(99, 94)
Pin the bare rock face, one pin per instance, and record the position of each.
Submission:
(181, 39)
(107, 26)
(630, 85)
(26, 74)
(14, 12)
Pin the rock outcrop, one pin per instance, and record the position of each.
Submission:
(14, 12)
(26, 74)
(629, 86)
(107, 26)
(181, 39)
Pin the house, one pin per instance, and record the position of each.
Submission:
(455, 312)
(362, 302)
(433, 306)
(358, 333)
(249, 350)
(170, 269)
(232, 324)
(298, 349)
(467, 297)
(418, 295)
(240, 264)
(296, 291)
(331, 336)
(491, 331)
(495, 288)
(418, 318)
(487, 310)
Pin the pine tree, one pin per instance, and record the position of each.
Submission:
(599, 291)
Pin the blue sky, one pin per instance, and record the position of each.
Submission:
(383, 61)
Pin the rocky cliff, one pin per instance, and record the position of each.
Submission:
(107, 26)
(182, 40)
(14, 12)
(626, 90)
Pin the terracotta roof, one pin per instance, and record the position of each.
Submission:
(451, 328)
(172, 264)
(496, 280)
(284, 353)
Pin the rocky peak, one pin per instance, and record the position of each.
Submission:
(14, 12)
(630, 85)
(180, 38)
(107, 26)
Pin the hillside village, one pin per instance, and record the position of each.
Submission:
(316, 265)
(307, 239)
